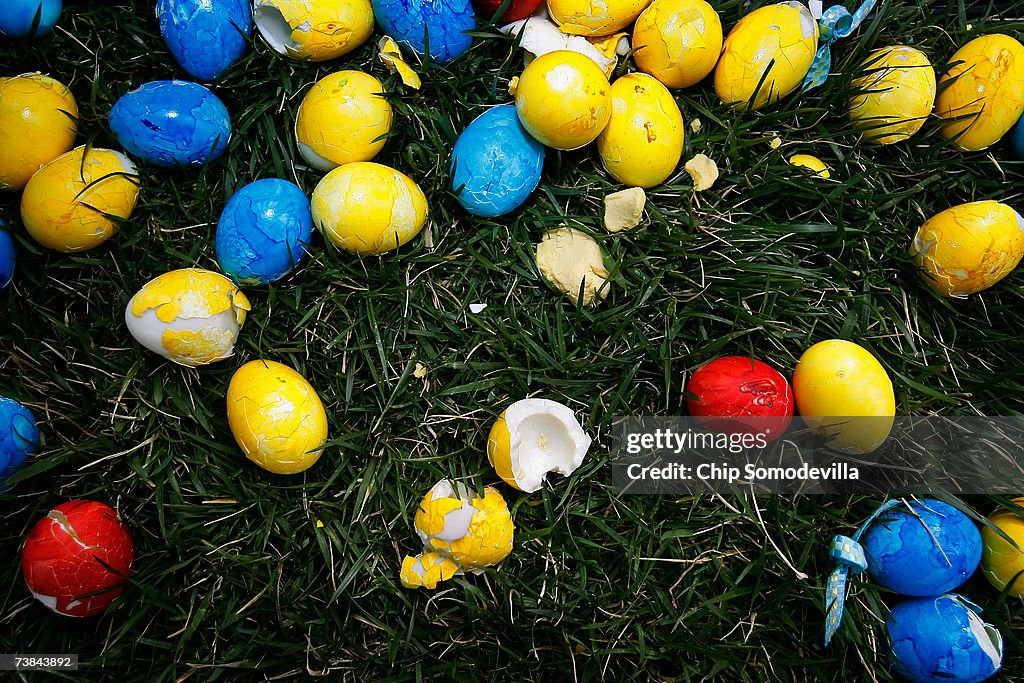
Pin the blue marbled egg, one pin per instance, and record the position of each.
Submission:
(929, 553)
(943, 640)
(263, 231)
(1017, 139)
(442, 22)
(17, 17)
(172, 123)
(205, 36)
(19, 436)
(6, 256)
(496, 163)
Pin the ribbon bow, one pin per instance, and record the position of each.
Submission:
(836, 22)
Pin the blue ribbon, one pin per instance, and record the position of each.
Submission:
(836, 22)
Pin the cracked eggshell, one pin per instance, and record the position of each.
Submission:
(38, 123)
(343, 118)
(533, 437)
(517, 9)
(983, 90)
(7, 257)
(190, 316)
(589, 18)
(206, 37)
(440, 24)
(1001, 563)
(538, 36)
(19, 436)
(495, 163)
(74, 203)
(812, 163)
(643, 141)
(571, 260)
(79, 548)
(426, 570)
(368, 208)
(563, 99)
(474, 531)
(969, 247)
(18, 17)
(678, 41)
(896, 94)
(780, 38)
(737, 388)
(276, 417)
(172, 124)
(316, 30)
(264, 231)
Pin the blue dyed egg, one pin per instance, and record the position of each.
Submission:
(172, 123)
(6, 256)
(205, 36)
(263, 231)
(1017, 139)
(922, 556)
(19, 436)
(18, 17)
(943, 640)
(442, 22)
(496, 163)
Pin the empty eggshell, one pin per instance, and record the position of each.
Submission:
(38, 123)
(206, 37)
(678, 41)
(438, 26)
(474, 531)
(317, 30)
(571, 260)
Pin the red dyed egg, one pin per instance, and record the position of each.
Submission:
(517, 9)
(737, 387)
(65, 553)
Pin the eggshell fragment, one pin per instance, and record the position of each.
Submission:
(473, 531)
(317, 30)
(1001, 563)
(426, 570)
(38, 123)
(391, 55)
(811, 163)
(703, 170)
(570, 259)
(539, 36)
(624, 209)
(678, 41)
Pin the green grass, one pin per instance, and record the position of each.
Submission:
(232, 574)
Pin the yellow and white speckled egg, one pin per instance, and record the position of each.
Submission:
(987, 91)
(190, 316)
(897, 92)
(781, 37)
(969, 247)
(276, 417)
(38, 123)
(343, 118)
(473, 531)
(71, 203)
(643, 140)
(368, 208)
(563, 99)
(594, 18)
(678, 41)
(317, 30)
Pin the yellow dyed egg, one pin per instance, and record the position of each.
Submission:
(678, 41)
(563, 99)
(74, 202)
(643, 140)
(343, 118)
(984, 89)
(969, 247)
(471, 530)
(1001, 562)
(38, 123)
(316, 30)
(276, 417)
(896, 94)
(190, 316)
(590, 18)
(780, 39)
(367, 208)
(811, 163)
(844, 393)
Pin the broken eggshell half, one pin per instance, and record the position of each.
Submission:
(318, 31)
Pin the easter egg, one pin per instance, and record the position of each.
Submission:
(844, 393)
(563, 99)
(969, 247)
(316, 30)
(642, 143)
(367, 208)
(437, 27)
(7, 257)
(942, 639)
(811, 163)
(38, 123)
(172, 123)
(737, 389)
(74, 203)
(895, 94)
(779, 39)
(982, 91)
(495, 163)
(19, 436)
(263, 231)
(474, 531)
(77, 559)
(678, 41)
(343, 118)
(1017, 139)
(276, 417)
(1001, 563)
(586, 18)
(28, 18)
(190, 316)
(206, 37)
(517, 9)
